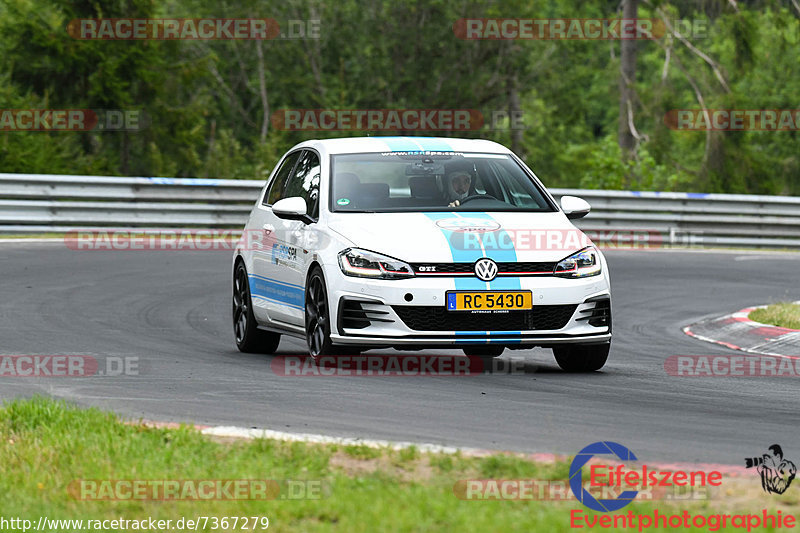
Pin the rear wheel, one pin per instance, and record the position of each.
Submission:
(582, 357)
(249, 338)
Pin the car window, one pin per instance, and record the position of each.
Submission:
(512, 190)
(413, 182)
(304, 182)
(278, 184)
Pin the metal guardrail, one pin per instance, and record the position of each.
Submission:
(696, 219)
(36, 203)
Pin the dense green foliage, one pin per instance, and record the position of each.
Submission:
(207, 100)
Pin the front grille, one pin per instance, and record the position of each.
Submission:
(542, 268)
(428, 318)
(422, 269)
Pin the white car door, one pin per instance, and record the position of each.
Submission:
(295, 239)
(270, 297)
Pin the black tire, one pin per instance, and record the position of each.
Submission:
(249, 339)
(484, 352)
(318, 317)
(581, 357)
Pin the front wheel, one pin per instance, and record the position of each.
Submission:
(249, 338)
(318, 317)
(581, 357)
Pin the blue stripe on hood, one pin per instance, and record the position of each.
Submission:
(469, 254)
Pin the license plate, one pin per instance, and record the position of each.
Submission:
(489, 300)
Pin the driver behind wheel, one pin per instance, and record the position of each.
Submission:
(459, 186)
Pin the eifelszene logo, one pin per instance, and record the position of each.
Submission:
(625, 482)
(776, 472)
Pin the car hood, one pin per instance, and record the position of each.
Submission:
(462, 237)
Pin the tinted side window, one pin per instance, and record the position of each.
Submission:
(278, 185)
(304, 182)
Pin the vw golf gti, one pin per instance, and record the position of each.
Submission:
(413, 243)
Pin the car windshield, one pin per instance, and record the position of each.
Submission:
(432, 181)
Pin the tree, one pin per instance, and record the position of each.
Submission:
(627, 78)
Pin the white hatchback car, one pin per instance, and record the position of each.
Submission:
(415, 242)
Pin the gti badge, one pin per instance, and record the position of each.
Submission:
(485, 269)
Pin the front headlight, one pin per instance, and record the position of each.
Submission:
(581, 264)
(366, 264)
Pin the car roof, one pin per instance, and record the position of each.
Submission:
(357, 145)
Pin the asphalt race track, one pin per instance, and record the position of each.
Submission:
(172, 311)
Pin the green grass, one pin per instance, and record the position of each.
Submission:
(362, 452)
(46, 445)
(784, 314)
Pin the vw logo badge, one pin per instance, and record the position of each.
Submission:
(485, 269)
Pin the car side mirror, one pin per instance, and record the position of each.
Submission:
(292, 208)
(575, 207)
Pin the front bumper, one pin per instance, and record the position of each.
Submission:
(430, 341)
(393, 313)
